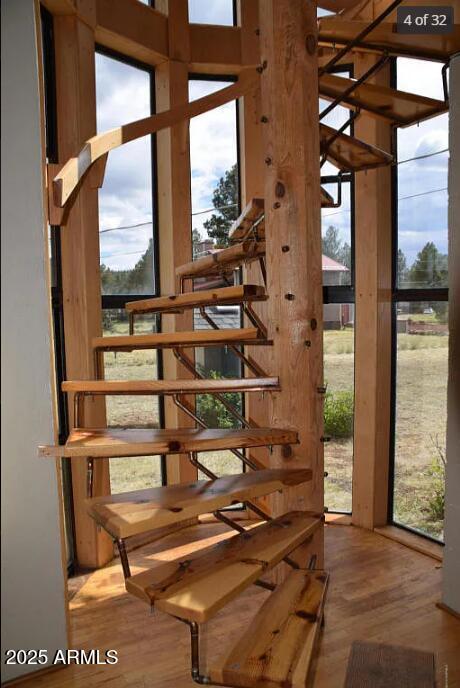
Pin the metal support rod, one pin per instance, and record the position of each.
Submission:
(123, 557)
(370, 72)
(228, 521)
(312, 562)
(187, 363)
(89, 476)
(193, 458)
(252, 365)
(254, 318)
(357, 39)
(131, 322)
(186, 409)
(78, 410)
(263, 269)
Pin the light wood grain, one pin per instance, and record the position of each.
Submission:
(165, 340)
(278, 647)
(133, 513)
(350, 153)
(171, 386)
(109, 442)
(226, 259)
(292, 195)
(243, 224)
(339, 32)
(80, 259)
(74, 169)
(195, 589)
(373, 275)
(386, 103)
(178, 303)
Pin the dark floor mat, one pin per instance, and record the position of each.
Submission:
(374, 665)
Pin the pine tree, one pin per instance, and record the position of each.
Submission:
(225, 194)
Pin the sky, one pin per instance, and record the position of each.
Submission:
(123, 95)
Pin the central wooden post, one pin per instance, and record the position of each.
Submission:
(289, 85)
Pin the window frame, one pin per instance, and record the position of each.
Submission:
(408, 295)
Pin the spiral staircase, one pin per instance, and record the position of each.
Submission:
(278, 647)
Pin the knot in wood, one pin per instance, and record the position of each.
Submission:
(280, 190)
(311, 43)
(285, 248)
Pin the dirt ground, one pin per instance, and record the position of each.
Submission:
(420, 423)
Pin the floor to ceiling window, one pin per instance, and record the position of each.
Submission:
(339, 325)
(128, 254)
(215, 205)
(420, 310)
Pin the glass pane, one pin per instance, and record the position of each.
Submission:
(422, 185)
(339, 361)
(215, 12)
(123, 95)
(213, 155)
(421, 397)
(131, 411)
(336, 239)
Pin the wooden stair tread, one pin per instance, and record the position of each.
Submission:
(207, 386)
(349, 153)
(132, 513)
(243, 225)
(197, 587)
(338, 32)
(278, 647)
(388, 103)
(109, 442)
(254, 212)
(226, 259)
(177, 303)
(168, 340)
(327, 200)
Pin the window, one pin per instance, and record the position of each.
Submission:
(128, 255)
(216, 12)
(339, 319)
(420, 312)
(215, 204)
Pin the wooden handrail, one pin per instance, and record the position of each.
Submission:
(72, 172)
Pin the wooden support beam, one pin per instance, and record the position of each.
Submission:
(97, 146)
(132, 28)
(216, 49)
(174, 207)
(373, 232)
(76, 119)
(289, 83)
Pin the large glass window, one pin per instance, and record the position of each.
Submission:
(215, 12)
(420, 311)
(124, 94)
(339, 321)
(215, 205)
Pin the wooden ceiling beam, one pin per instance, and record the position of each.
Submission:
(215, 49)
(134, 29)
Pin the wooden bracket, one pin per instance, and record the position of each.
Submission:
(56, 214)
(96, 174)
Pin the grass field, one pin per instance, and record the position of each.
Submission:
(420, 422)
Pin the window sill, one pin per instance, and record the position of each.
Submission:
(412, 540)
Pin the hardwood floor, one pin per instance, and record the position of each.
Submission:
(379, 590)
